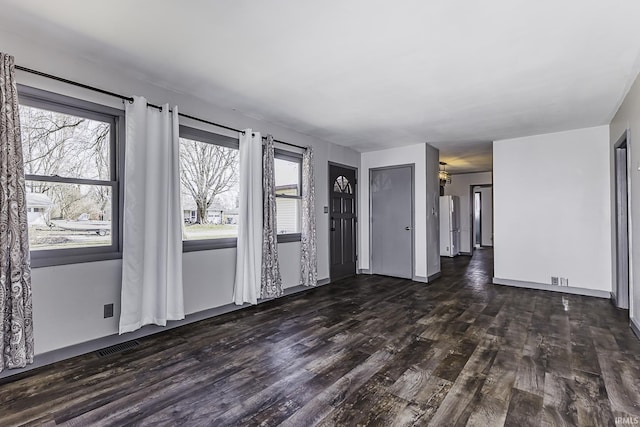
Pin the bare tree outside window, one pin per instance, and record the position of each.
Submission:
(209, 179)
(64, 146)
(57, 144)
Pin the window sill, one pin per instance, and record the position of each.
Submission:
(209, 244)
(286, 238)
(39, 260)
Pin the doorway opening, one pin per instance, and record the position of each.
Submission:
(481, 216)
(621, 291)
(477, 224)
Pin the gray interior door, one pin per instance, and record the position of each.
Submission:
(391, 193)
(342, 222)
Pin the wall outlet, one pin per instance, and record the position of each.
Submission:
(108, 310)
(554, 280)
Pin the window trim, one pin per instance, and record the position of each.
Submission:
(297, 158)
(208, 137)
(42, 99)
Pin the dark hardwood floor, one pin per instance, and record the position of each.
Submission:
(365, 351)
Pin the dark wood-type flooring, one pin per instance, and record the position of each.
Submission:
(364, 351)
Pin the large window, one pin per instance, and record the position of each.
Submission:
(70, 162)
(209, 172)
(288, 195)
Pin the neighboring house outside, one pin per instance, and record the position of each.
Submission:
(288, 209)
(38, 209)
(216, 214)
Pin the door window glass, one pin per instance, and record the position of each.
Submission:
(342, 185)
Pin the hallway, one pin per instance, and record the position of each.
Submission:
(369, 350)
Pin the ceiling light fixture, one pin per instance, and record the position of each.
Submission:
(443, 175)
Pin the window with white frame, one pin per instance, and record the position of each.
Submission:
(288, 177)
(70, 150)
(209, 178)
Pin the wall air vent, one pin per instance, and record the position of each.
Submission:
(118, 348)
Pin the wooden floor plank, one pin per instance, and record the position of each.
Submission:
(367, 350)
(524, 409)
(559, 404)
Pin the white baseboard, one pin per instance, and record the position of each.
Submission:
(613, 299)
(300, 288)
(635, 327)
(546, 287)
(103, 342)
(421, 279)
(434, 276)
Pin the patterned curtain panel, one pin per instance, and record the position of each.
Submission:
(309, 268)
(16, 339)
(271, 279)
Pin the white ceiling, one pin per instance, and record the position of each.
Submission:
(368, 74)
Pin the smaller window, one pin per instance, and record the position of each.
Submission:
(288, 177)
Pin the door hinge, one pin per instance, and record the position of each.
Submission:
(356, 257)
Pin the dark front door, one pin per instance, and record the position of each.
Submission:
(342, 221)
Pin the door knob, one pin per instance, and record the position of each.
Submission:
(407, 228)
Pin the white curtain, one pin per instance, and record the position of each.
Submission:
(152, 228)
(309, 263)
(249, 250)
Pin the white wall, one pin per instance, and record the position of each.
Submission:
(628, 117)
(552, 208)
(68, 300)
(461, 186)
(412, 154)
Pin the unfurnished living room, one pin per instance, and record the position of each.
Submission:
(333, 213)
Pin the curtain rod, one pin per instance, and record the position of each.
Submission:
(130, 99)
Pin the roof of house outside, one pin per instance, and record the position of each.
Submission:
(38, 200)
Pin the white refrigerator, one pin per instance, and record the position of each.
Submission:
(449, 226)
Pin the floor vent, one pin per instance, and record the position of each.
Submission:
(118, 348)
